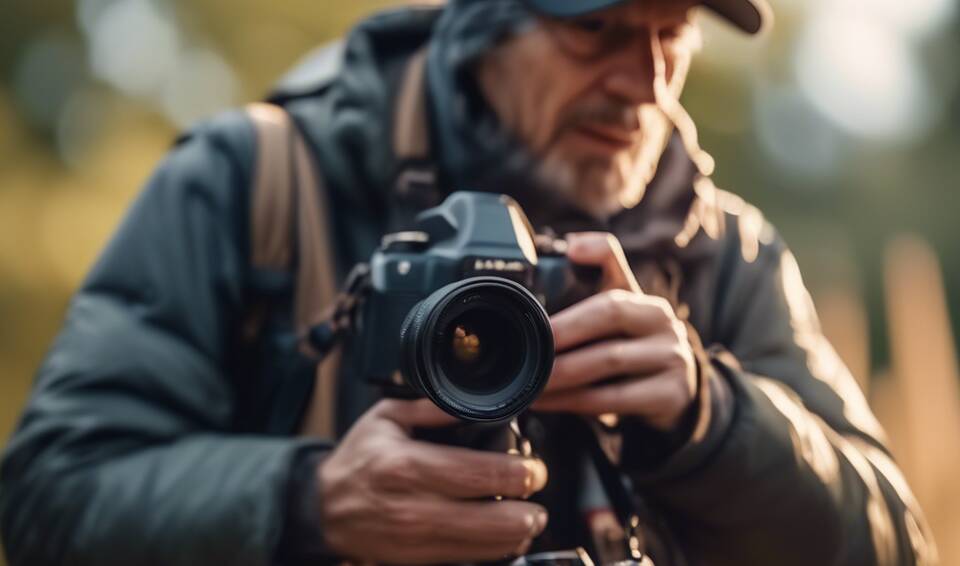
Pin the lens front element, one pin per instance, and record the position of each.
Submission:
(466, 344)
(481, 348)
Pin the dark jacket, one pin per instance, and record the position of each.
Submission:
(152, 437)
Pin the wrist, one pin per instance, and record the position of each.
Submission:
(701, 435)
(302, 539)
(647, 447)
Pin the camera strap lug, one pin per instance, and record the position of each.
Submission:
(337, 318)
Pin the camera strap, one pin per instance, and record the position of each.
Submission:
(291, 242)
(337, 318)
(628, 508)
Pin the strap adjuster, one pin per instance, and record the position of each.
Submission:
(337, 318)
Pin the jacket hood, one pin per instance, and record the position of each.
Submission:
(349, 110)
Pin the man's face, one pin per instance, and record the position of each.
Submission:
(581, 95)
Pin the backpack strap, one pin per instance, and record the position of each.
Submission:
(291, 232)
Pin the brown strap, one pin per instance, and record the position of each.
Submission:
(273, 191)
(316, 286)
(410, 113)
(288, 198)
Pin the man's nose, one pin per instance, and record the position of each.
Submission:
(632, 70)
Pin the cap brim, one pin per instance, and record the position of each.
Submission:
(750, 16)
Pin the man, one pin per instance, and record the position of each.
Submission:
(152, 438)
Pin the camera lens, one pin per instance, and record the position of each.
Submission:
(481, 348)
(481, 352)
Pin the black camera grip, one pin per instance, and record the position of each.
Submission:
(579, 283)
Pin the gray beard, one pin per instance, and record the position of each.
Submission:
(601, 188)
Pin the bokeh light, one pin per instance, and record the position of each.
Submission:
(916, 19)
(864, 77)
(133, 46)
(794, 134)
(137, 47)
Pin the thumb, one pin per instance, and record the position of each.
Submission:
(602, 249)
(409, 414)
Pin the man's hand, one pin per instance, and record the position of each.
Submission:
(624, 334)
(388, 498)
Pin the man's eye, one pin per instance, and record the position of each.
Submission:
(590, 25)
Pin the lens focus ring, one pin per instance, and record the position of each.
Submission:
(480, 348)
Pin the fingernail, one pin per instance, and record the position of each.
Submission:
(535, 477)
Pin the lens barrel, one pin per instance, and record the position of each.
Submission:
(480, 348)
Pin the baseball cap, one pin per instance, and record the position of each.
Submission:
(748, 15)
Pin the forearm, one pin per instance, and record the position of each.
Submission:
(204, 499)
(125, 456)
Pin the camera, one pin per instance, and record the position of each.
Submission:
(456, 309)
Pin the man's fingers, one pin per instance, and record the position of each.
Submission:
(608, 314)
(654, 398)
(392, 499)
(451, 531)
(510, 522)
(611, 358)
(603, 250)
(462, 473)
(411, 414)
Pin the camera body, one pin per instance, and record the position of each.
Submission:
(457, 309)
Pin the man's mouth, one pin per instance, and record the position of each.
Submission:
(610, 138)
